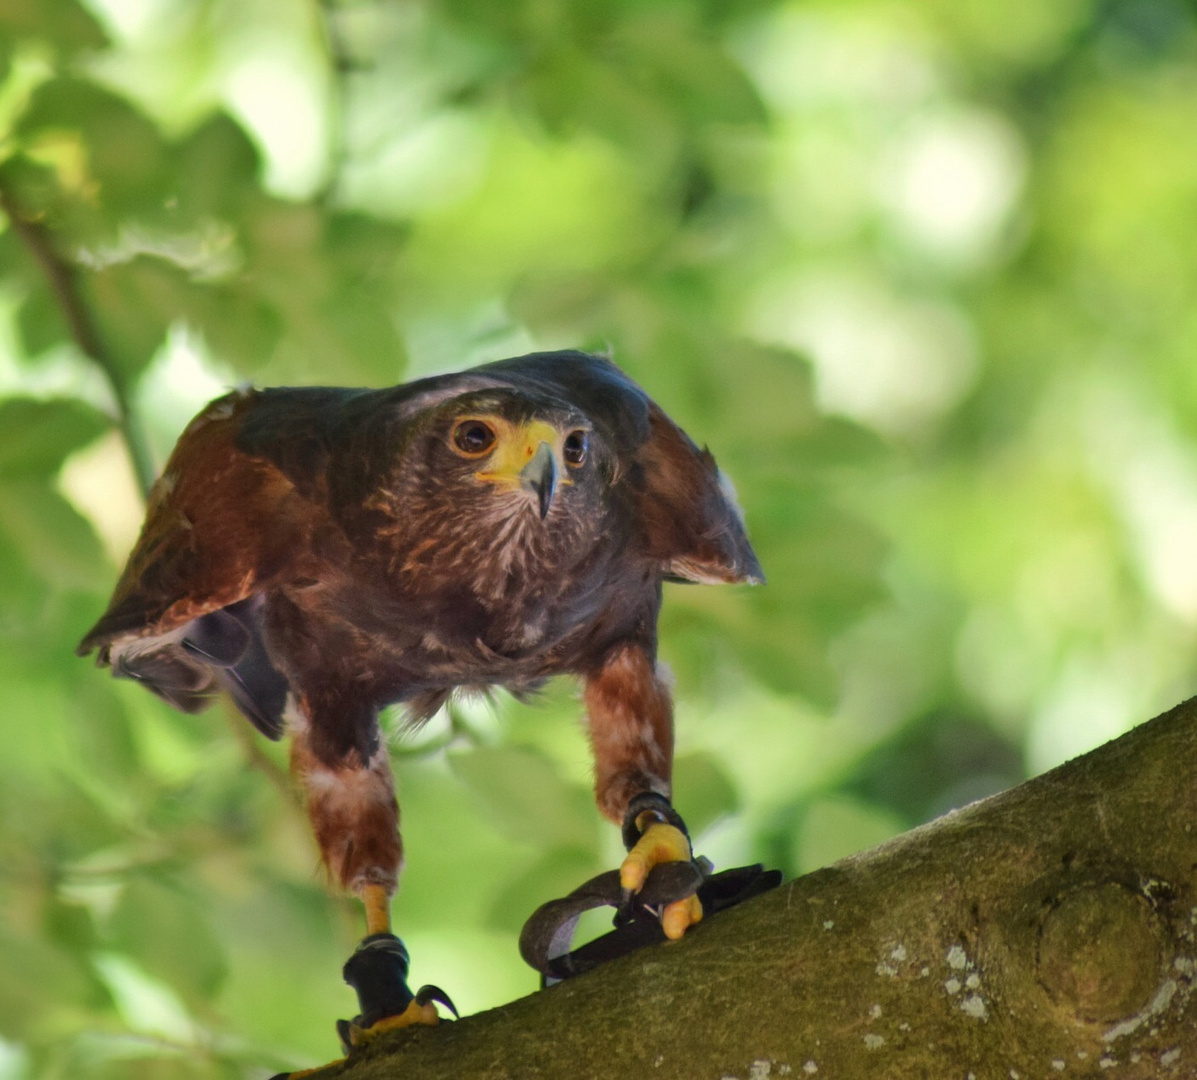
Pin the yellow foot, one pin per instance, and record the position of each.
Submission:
(416, 1013)
(679, 916)
(661, 843)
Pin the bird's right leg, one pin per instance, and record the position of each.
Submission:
(350, 796)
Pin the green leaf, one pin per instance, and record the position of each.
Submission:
(166, 931)
(124, 154)
(331, 279)
(34, 187)
(678, 65)
(239, 326)
(64, 23)
(23, 593)
(70, 926)
(36, 436)
(40, 321)
(134, 304)
(55, 540)
(99, 729)
(215, 172)
(702, 790)
(525, 796)
(555, 874)
(35, 752)
(38, 984)
(285, 949)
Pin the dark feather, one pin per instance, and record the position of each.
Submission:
(218, 638)
(329, 543)
(171, 674)
(257, 688)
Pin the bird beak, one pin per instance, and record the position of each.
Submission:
(540, 476)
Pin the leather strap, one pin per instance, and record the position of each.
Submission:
(547, 936)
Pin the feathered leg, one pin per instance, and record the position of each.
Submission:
(350, 795)
(631, 731)
(351, 802)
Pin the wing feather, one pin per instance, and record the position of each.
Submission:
(691, 520)
(203, 545)
(220, 524)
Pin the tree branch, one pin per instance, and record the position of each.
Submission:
(62, 278)
(342, 65)
(1050, 930)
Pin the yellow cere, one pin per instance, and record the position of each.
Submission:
(515, 446)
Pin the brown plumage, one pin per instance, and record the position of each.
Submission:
(319, 553)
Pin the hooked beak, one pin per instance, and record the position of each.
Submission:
(540, 476)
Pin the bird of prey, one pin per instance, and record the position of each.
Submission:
(319, 553)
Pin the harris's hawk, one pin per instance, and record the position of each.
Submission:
(319, 553)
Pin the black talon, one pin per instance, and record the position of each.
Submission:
(623, 910)
(428, 993)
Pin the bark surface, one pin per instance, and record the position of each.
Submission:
(1048, 931)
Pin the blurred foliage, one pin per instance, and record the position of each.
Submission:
(920, 273)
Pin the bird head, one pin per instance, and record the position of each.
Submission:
(527, 451)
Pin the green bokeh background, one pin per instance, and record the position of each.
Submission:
(922, 274)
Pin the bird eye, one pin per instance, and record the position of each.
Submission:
(574, 450)
(473, 437)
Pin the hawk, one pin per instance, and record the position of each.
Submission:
(319, 553)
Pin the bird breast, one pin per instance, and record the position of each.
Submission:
(493, 572)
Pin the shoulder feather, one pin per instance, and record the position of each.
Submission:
(204, 544)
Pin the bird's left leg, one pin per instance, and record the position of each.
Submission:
(630, 713)
(350, 793)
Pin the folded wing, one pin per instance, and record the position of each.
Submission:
(185, 619)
